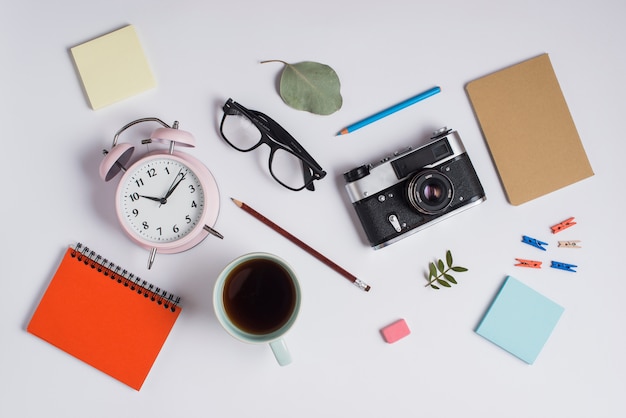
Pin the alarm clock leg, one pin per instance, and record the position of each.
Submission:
(213, 232)
(153, 252)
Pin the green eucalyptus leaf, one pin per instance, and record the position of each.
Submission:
(443, 283)
(434, 287)
(440, 266)
(310, 86)
(449, 258)
(459, 269)
(449, 278)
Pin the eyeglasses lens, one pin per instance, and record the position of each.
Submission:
(240, 132)
(287, 168)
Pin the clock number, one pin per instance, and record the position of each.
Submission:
(135, 212)
(193, 189)
(145, 225)
(188, 219)
(139, 182)
(193, 204)
(167, 170)
(176, 229)
(134, 196)
(151, 172)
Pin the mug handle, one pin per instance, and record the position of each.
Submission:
(281, 352)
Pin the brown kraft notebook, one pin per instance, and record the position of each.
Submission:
(529, 130)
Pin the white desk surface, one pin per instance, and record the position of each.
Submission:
(204, 52)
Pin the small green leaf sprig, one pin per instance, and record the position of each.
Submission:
(438, 273)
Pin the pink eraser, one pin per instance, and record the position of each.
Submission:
(394, 332)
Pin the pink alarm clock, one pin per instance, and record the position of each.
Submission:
(167, 201)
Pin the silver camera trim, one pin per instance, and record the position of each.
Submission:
(384, 175)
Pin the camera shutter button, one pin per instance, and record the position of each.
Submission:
(393, 220)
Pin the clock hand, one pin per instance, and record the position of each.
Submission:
(156, 199)
(174, 181)
(175, 185)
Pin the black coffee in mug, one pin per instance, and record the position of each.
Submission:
(259, 296)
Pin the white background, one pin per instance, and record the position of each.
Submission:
(204, 52)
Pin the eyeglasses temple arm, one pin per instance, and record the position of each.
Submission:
(282, 136)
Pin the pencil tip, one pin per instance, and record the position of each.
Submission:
(342, 132)
(236, 202)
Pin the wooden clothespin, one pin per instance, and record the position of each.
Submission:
(528, 263)
(534, 242)
(569, 244)
(563, 225)
(563, 266)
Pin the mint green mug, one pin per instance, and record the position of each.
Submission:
(257, 299)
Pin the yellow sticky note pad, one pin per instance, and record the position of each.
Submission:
(113, 67)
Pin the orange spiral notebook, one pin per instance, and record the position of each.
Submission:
(105, 316)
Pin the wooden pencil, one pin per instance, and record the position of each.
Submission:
(357, 282)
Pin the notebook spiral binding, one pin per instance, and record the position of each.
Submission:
(134, 283)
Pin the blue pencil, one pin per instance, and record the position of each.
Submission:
(389, 111)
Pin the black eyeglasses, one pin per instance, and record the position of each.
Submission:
(289, 163)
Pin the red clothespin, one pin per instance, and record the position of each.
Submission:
(563, 225)
(528, 263)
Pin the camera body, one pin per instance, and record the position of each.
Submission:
(413, 189)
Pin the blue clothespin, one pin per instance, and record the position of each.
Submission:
(563, 266)
(534, 242)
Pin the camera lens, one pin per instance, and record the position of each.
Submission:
(433, 193)
(430, 192)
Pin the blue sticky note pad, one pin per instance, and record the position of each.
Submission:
(520, 320)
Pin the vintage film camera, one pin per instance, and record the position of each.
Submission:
(413, 189)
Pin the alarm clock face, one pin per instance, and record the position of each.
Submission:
(161, 200)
